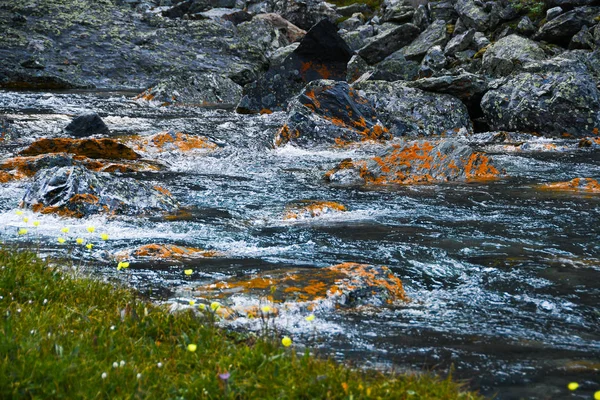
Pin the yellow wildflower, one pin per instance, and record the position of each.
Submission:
(61, 240)
(19, 212)
(266, 309)
(22, 231)
(79, 240)
(91, 229)
(122, 265)
(214, 306)
(36, 223)
(89, 246)
(65, 230)
(192, 347)
(597, 395)
(573, 386)
(188, 271)
(192, 302)
(202, 306)
(104, 236)
(286, 341)
(25, 219)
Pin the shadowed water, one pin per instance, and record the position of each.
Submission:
(503, 277)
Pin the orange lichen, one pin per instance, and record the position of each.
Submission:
(586, 185)
(310, 208)
(319, 68)
(180, 141)
(478, 168)
(60, 211)
(265, 111)
(92, 148)
(162, 190)
(169, 251)
(285, 135)
(84, 198)
(6, 177)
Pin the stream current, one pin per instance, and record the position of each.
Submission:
(503, 277)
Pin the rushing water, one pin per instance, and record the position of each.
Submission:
(503, 278)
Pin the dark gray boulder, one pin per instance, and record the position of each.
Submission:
(330, 113)
(397, 11)
(582, 40)
(356, 68)
(555, 104)
(87, 125)
(433, 62)
(409, 111)
(464, 85)
(322, 54)
(509, 54)
(435, 35)
(305, 13)
(388, 42)
(472, 15)
(562, 28)
(395, 68)
(553, 12)
(77, 192)
(421, 17)
(526, 27)
(443, 10)
(460, 42)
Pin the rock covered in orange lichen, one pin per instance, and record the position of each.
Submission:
(311, 209)
(76, 191)
(174, 141)
(159, 251)
(416, 162)
(583, 185)
(346, 284)
(28, 166)
(330, 112)
(107, 149)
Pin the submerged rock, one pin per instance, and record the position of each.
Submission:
(87, 125)
(416, 162)
(322, 54)
(202, 90)
(408, 111)
(311, 209)
(77, 192)
(582, 185)
(347, 285)
(107, 149)
(554, 104)
(158, 251)
(329, 112)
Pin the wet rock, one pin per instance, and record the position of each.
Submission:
(329, 112)
(509, 53)
(388, 42)
(311, 209)
(77, 192)
(434, 35)
(416, 162)
(582, 40)
(159, 251)
(87, 125)
(347, 284)
(561, 29)
(172, 141)
(553, 12)
(322, 54)
(581, 185)
(107, 149)
(459, 42)
(204, 90)
(464, 85)
(356, 68)
(472, 15)
(409, 111)
(395, 68)
(526, 27)
(552, 104)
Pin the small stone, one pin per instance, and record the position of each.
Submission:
(553, 12)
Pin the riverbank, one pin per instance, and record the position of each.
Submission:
(68, 337)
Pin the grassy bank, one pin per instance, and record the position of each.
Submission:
(64, 337)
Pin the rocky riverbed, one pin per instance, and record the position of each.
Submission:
(402, 187)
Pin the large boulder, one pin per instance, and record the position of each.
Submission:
(77, 192)
(395, 68)
(509, 54)
(463, 85)
(561, 29)
(322, 54)
(416, 162)
(435, 35)
(305, 13)
(202, 90)
(388, 42)
(408, 111)
(87, 125)
(472, 15)
(107, 149)
(329, 112)
(105, 45)
(549, 103)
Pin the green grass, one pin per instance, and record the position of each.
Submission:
(60, 334)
